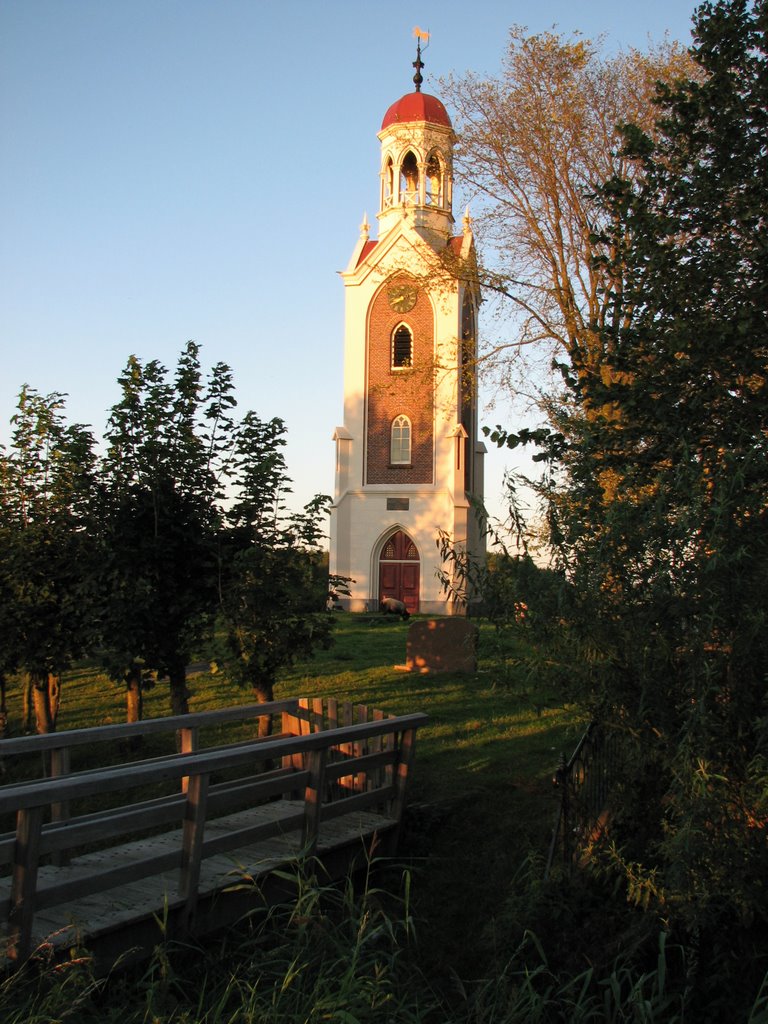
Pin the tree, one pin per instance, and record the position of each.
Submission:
(659, 509)
(534, 146)
(274, 588)
(133, 558)
(47, 567)
(168, 444)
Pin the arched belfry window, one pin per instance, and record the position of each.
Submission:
(409, 180)
(388, 183)
(400, 447)
(434, 182)
(402, 348)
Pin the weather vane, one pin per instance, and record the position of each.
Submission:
(419, 63)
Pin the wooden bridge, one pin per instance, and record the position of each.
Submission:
(113, 858)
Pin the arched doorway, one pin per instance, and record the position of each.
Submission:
(399, 571)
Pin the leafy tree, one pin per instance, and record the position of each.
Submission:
(274, 587)
(184, 516)
(168, 443)
(7, 656)
(47, 568)
(534, 146)
(659, 505)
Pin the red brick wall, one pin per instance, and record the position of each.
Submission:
(407, 392)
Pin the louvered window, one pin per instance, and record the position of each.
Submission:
(402, 348)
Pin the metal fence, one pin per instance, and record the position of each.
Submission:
(584, 782)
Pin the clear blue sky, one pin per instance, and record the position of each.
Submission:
(176, 169)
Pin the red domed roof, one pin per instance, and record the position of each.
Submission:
(417, 106)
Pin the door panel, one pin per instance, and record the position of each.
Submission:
(389, 579)
(409, 582)
(399, 571)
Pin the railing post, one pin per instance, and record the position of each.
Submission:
(332, 707)
(291, 726)
(389, 770)
(316, 717)
(26, 857)
(60, 765)
(188, 743)
(192, 843)
(375, 746)
(313, 798)
(293, 723)
(406, 753)
(402, 770)
(559, 780)
(360, 748)
(346, 783)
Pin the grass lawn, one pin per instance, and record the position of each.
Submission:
(481, 797)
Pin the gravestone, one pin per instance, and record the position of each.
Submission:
(442, 645)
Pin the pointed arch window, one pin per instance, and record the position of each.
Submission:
(409, 180)
(400, 447)
(402, 348)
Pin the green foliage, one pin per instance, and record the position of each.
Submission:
(47, 555)
(159, 518)
(136, 555)
(528, 992)
(272, 593)
(528, 607)
(658, 503)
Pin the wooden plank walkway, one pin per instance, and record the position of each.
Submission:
(212, 849)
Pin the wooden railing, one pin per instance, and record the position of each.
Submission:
(328, 760)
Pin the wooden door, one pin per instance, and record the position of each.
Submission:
(399, 571)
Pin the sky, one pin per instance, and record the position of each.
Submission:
(199, 169)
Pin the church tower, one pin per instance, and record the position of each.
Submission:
(408, 460)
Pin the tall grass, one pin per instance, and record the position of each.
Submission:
(342, 954)
(334, 953)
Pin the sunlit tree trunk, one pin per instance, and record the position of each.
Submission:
(177, 678)
(46, 697)
(134, 695)
(27, 697)
(54, 691)
(263, 692)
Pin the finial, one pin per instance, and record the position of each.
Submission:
(365, 227)
(467, 221)
(419, 63)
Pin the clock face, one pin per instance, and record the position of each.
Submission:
(402, 297)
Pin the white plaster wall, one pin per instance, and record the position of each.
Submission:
(364, 522)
